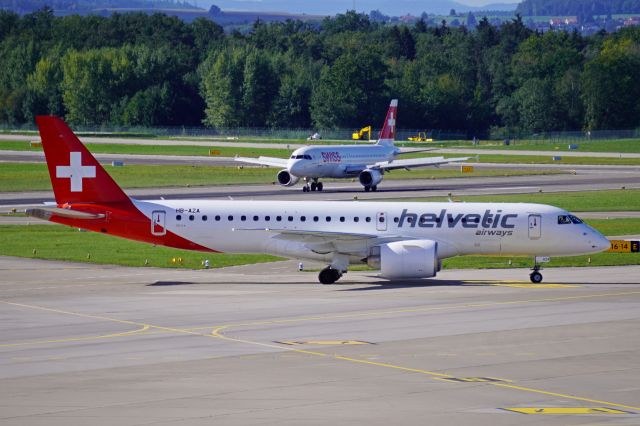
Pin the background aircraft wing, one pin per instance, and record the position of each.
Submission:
(415, 162)
(264, 161)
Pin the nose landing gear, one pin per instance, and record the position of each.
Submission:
(313, 186)
(535, 276)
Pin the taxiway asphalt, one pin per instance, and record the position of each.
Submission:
(265, 344)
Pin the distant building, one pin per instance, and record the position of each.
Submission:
(632, 21)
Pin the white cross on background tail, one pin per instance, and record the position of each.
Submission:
(76, 171)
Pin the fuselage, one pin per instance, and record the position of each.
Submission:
(337, 161)
(458, 228)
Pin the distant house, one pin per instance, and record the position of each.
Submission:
(632, 21)
(408, 19)
(563, 21)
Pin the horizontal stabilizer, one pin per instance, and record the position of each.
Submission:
(46, 213)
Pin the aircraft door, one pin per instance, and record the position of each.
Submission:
(535, 226)
(158, 218)
(381, 221)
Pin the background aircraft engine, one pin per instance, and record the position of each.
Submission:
(409, 259)
(287, 179)
(370, 177)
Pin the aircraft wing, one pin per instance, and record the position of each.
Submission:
(415, 162)
(264, 161)
(324, 242)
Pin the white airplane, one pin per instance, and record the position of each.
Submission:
(368, 162)
(404, 240)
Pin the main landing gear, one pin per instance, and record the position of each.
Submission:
(371, 188)
(329, 275)
(314, 185)
(535, 276)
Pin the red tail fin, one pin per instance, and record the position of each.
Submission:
(388, 132)
(76, 176)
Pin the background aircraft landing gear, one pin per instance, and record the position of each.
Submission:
(329, 275)
(314, 185)
(370, 188)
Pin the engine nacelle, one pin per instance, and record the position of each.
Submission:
(370, 177)
(407, 259)
(286, 179)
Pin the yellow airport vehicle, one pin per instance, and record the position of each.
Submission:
(421, 137)
(360, 134)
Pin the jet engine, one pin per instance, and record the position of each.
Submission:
(406, 259)
(286, 179)
(370, 177)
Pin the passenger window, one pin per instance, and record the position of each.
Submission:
(204, 218)
(316, 218)
(356, 219)
(381, 219)
(396, 219)
(290, 218)
(328, 218)
(217, 218)
(302, 218)
(368, 219)
(243, 218)
(255, 218)
(191, 217)
(267, 218)
(178, 217)
(278, 218)
(230, 218)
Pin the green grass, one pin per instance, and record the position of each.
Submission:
(34, 176)
(508, 157)
(59, 242)
(607, 145)
(106, 148)
(585, 201)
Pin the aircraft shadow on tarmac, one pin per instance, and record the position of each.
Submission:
(369, 285)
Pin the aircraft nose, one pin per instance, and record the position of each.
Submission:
(601, 242)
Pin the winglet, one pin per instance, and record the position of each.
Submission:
(388, 132)
(76, 176)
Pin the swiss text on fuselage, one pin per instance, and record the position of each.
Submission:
(451, 220)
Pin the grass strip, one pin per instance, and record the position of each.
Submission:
(579, 201)
(34, 176)
(58, 242)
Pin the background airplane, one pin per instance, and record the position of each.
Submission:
(404, 240)
(367, 162)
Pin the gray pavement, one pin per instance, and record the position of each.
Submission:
(264, 344)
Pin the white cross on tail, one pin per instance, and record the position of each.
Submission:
(391, 122)
(76, 171)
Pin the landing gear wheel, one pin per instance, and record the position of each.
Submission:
(305, 188)
(367, 188)
(374, 188)
(314, 186)
(536, 277)
(329, 275)
(319, 186)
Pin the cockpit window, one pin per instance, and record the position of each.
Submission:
(565, 219)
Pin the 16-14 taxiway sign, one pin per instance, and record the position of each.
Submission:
(623, 246)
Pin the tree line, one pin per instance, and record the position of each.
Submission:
(135, 69)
